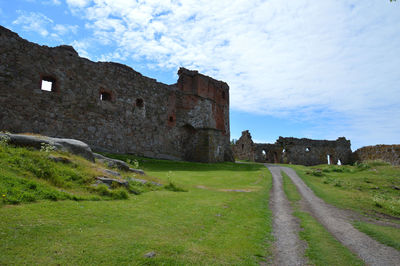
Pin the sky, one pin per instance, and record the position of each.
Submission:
(304, 68)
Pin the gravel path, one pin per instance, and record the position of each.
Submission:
(289, 249)
(333, 219)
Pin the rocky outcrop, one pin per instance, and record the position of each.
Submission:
(114, 163)
(35, 141)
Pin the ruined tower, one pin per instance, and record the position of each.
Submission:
(52, 91)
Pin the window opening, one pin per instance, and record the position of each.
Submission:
(171, 119)
(139, 103)
(242, 146)
(48, 84)
(339, 162)
(307, 149)
(105, 96)
(223, 95)
(328, 157)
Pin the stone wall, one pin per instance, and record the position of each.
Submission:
(313, 152)
(110, 106)
(244, 147)
(270, 153)
(294, 151)
(386, 153)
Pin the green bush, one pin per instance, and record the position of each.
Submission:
(119, 194)
(172, 187)
(317, 172)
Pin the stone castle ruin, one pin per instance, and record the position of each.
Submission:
(294, 151)
(54, 92)
(386, 153)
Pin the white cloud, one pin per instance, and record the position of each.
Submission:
(53, 2)
(317, 61)
(31, 21)
(38, 22)
(78, 3)
(65, 29)
(81, 47)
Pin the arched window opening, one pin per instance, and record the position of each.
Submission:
(307, 149)
(264, 154)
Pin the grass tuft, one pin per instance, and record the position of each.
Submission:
(385, 234)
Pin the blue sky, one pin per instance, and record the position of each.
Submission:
(315, 69)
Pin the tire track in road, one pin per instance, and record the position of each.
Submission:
(289, 249)
(337, 223)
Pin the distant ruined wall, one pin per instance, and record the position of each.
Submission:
(244, 147)
(294, 151)
(386, 153)
(269, 153)
(110, 106)
(314, 152)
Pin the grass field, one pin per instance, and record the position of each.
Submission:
(370, 188)
(323, 248)
(208, 224)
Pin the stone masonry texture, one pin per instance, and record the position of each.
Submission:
(293, 150)
(386, 153)
(110, 106)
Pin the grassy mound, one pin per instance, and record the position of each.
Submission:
(28, 175)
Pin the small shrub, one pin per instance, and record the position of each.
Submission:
(46, 147)
(317, 172)
(337, 169)
(32, 186)
(4, 140)
(366, 180)
(172, 187)
(362, 166)
(328, 180)
(134, 163)
(103, 190)
(115, 185)
(51, 196)
(119, 194)
(27, 197)
(338, 183)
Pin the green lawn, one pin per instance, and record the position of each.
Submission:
(322, 247)
(209, 224)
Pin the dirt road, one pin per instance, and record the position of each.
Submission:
(333, 219)
(289, 249)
